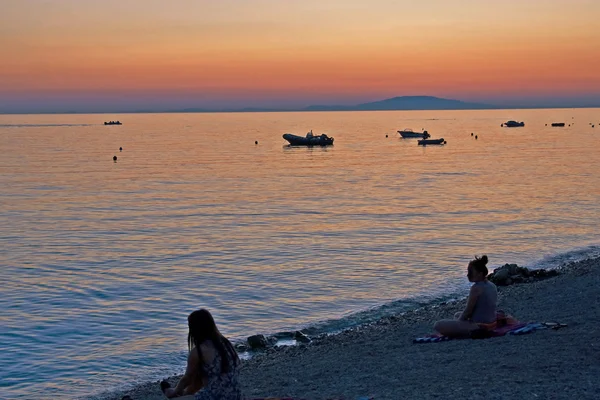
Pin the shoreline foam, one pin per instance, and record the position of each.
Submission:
(379, 359)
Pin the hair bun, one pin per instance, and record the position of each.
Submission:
(484, 259)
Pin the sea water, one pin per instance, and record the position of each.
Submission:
(102, 261)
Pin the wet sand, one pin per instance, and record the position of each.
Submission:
(380, 360)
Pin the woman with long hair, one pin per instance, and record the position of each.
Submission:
(480, 312)
(212, 365)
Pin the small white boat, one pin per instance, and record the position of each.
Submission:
(409, 133)
(426, 142)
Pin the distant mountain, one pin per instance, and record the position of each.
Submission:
(406, 103)
(420, 103)
(395, 103)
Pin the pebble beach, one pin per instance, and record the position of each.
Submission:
(380, 361)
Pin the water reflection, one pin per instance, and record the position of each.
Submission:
(112, 258)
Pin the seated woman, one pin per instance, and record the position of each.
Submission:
(212, 365)
(480, 312)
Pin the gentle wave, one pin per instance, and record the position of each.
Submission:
(111, 257)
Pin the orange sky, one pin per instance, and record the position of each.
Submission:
(236, 50)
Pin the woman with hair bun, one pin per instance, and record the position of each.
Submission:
(480, 312)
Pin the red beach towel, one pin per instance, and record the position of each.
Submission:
(504, 324)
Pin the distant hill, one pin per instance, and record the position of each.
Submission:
(395, 103)
(420, 103)
(406, 103)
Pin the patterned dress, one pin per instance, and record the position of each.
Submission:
(220, 386)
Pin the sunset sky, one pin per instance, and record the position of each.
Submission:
(87, 55)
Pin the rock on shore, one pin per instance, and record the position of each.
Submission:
(509, 274)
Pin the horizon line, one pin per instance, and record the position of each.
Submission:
(294, 110)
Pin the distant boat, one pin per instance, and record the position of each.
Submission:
(426, 142)
(409, 133)
(113, 123)
(308, 140)
(513, 124)
(558, 124)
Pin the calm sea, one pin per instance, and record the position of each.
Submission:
(101, 262)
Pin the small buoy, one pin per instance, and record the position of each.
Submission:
(471, 133)
(475, 137)
(115, 158)
(546, 124)
(120, 149)
(501, 124)
(569, 124)
(386, 135)
(256, 142)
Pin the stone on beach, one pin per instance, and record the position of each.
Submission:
(301, 337)
(258, 342)
(512, 273)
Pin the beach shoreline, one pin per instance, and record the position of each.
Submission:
(378, 359)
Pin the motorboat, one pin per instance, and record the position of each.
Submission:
(113, 123)
(409, 133)
(425, 142)
(558, 124)
(308, 140)
(513, 124)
